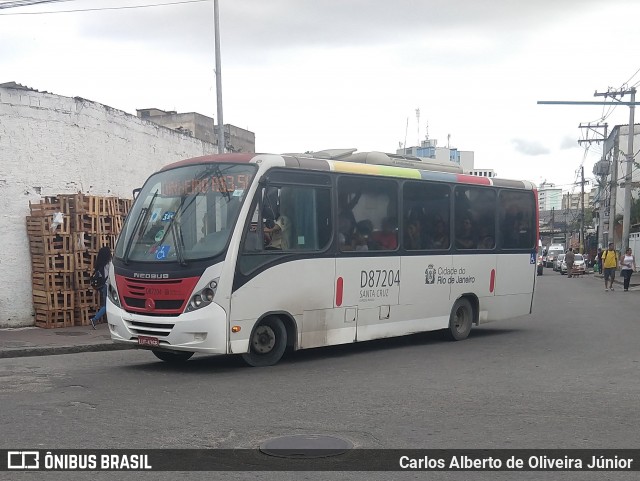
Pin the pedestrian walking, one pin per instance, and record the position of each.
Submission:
(599, 259)
(609, 265)
(100, 282)
(569, 259)
(627, 267)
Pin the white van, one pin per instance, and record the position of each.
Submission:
(552, 252)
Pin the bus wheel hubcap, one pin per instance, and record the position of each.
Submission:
(263, 339)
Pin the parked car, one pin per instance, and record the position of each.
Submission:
(557, 264)
(578, 265)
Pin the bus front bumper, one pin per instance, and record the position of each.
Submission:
(204, 330)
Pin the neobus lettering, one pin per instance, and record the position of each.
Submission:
(379, 278)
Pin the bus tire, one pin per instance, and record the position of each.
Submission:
(173, 357)
(267, 343)
(460, 320)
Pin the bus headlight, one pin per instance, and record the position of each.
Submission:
(203, 297)
(112, 292)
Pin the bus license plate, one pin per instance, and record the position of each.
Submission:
(148, 341)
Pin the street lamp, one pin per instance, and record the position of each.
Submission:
(216, 21)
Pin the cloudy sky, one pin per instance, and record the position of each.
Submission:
(316, 74)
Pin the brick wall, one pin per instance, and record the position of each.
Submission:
(52, 145)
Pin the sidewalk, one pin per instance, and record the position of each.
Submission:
(35, 341)
(635, 279)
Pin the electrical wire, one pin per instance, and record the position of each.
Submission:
(98, 9)
(631, 78)
(27, 3)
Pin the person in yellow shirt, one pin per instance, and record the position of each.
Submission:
(609, 265)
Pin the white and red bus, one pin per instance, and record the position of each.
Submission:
(252, 253)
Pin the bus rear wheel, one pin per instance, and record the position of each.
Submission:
(173, 357)
(267, 343)
(460, 320)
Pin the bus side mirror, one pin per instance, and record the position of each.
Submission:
(136, 192)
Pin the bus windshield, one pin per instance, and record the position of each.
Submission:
(185, 214)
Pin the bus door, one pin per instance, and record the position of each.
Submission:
(367, 293)
(285, 267)
(367, 264)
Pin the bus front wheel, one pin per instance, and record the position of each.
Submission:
(460, 320)
(174, 357)
(267, 343)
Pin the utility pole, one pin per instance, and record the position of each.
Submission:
(216, 21)
(582, 213)
(614, 192)
(630, 155)
(626, 211)
(599, 169)
(626, 219)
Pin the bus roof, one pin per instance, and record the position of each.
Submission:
(367, 163)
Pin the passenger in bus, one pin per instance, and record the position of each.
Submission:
(279, 234)
(486, 239)
(465, 235)
(413, 232)
(440, 237)
(362, 234)
(511, 231)
(346, 231)
(346, 205)
(387, 238)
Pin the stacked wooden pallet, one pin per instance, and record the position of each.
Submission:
(96, 222)
(50, 243)
(65, 233)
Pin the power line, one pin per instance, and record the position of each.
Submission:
(27, 3)
(630, 78)
(98, 9)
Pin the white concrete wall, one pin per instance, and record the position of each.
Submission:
(52, 145)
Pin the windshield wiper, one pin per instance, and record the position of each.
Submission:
(176, 233)
(222, 182)
(144, 214)
(178, 242)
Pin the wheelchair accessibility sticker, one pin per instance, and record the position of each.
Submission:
(533, 258)
(162, 252)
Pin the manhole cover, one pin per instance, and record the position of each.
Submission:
(305, 446)
(71, 333)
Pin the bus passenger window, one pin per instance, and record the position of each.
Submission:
(475, 209)
(293, 218)
(426, 216)
(367, 213)
(517, 220)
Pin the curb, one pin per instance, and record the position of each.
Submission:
(616, 280)
(56, 350)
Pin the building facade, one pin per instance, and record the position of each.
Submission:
(202, 127)
(428, 148)
(615, 150)
(483, 173)
(549, 197)
(573, 200)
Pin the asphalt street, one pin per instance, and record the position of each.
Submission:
(567, 376)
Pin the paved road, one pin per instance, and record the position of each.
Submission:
(566, 377)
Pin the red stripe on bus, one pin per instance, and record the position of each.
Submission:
(473, 179)
(339, 291)
(492, 281)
